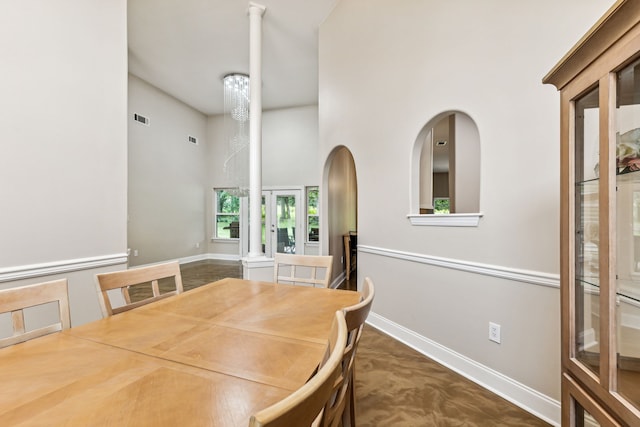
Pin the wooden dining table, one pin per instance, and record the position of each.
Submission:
(211, 356)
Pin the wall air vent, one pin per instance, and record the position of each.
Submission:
(193, 140)
(141, 119)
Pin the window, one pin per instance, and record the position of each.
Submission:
(227, 215)
(313, 220)
(441, 205)
(445, 172)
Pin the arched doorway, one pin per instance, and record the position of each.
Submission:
(339, 197)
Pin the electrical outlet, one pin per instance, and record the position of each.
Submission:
(494, 332)
(135, 252)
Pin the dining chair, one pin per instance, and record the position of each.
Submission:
(341, 409)
(287, 269)
(303, 407)
(16, 300)
(124, 279)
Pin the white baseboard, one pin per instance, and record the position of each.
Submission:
(202, 257)
(194, 258)
(530, 400)
(224, 257)
(338, 281)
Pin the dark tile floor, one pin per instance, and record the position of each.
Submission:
(198, 273)
(193, 274)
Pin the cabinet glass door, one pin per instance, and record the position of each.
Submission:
(627, 124)
(584, 418)
(587, 289)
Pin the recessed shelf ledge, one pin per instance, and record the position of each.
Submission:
(446, 220)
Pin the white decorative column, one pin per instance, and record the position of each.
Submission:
(256, 12)
(255, 266)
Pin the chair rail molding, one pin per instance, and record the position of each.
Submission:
(525, 276)
(8, 274)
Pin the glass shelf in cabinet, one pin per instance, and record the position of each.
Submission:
(588, 182)
(629, 176)
(590, 281)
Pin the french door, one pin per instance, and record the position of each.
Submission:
(282, 222)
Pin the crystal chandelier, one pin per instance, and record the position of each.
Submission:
(236, 128)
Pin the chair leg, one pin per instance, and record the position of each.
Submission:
(349, 414)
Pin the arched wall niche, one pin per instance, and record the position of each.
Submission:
(445, 172)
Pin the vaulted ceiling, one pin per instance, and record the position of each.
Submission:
(185, 47)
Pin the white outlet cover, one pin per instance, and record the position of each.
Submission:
(494, 332)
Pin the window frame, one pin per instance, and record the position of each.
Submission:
(216, 214)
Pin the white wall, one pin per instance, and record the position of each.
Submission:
(63, 135)
(167, 177)
(467, 165)
(386, 69)
(290, 147)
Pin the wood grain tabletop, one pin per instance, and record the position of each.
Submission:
(208, 357)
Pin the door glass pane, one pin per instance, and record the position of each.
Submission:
(628, 232)
(587, 283)
(264, 224)
(286, 224)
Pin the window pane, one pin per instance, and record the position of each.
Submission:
(228, 226)
(312, 200)
(441, 206)
(313, 226)
(313, 222)
(227, 215)
(227, 203)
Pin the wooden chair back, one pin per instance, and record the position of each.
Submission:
(124, 279)
(341, 409)
(314, 264)
(15, 300)
(304, 406)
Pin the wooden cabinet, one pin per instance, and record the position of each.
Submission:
(599, 84)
